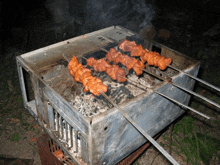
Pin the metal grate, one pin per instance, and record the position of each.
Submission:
(66, 134)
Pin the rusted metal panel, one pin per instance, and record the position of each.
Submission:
(47, 147)
(47, 158)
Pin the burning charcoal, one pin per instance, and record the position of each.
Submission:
(89, 105)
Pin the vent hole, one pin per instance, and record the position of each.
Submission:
(156, 49)
(101, 38)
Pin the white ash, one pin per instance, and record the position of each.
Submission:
(90, 105)
(118, 91)
(112, 84)
(87, 105)
(137, 85)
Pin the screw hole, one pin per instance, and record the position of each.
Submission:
(105, 128)
(101, 38)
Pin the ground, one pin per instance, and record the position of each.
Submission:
(193, 30)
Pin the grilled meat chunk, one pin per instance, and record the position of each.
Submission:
(152, 58)
(83, 75)
(114, 71)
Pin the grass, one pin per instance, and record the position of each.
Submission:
(198, 148)
(14, 118)
(195, 137)
(16, 137)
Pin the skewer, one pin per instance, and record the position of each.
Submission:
(169, 81)
(195, 78)
(144, 87)
(180, 87)
(66, 57)
(202, 81)
(173, 100)
(165, 153)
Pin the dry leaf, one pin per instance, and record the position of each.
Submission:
(13, 120)
(58, 154)
(33, 139)
(34, 126)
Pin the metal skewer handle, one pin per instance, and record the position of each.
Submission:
(196, 78)
(196, 94)
(180, 87)
(173, 100)
(167, 155)
(183, 105)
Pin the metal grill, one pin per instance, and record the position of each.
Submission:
(102, 135)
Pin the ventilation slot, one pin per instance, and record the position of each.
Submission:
(66, 134)
(104, 39)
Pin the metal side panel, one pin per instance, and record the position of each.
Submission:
(29, 105)
(114, 138)
(73, 117)
(49, 55)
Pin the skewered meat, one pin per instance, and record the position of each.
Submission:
(138, 66)
(126, 45)
(137, 50)
(98, 65)
(101, 65)
(79, 74)
(164, 62)
(130, 63)
(83, 75)
(152, 58)
(112, 55)
(116, 73)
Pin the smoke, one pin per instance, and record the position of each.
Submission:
(91, 15)
(133, 14)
